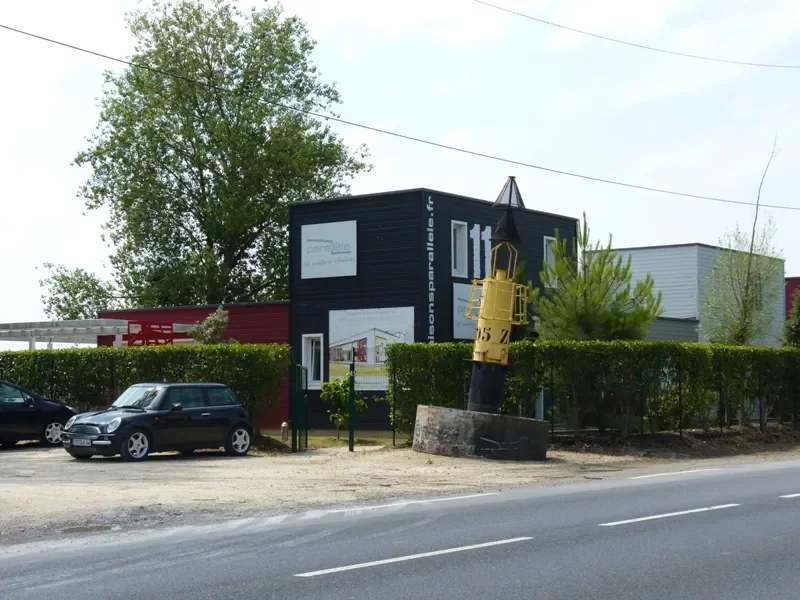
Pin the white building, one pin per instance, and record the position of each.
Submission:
(680, 273)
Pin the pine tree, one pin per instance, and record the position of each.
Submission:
(588, 294)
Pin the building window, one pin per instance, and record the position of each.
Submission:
(550, 250)
(458, 249)
(312, 359)
(757, 293)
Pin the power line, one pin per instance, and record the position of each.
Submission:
(401, 135)
(641, 46)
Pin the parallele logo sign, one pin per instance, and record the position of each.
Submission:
(328, 250)
(331, 247)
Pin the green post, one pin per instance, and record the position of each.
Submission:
(351, 404)
(680, 401)
(293, 408)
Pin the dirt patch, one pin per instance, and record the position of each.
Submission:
(269, 444)
(694, 443)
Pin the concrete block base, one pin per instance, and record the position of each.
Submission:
(455, 432)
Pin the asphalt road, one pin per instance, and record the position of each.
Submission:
(731, 533)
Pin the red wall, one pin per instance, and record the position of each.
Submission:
(792, 283)
(257, 323)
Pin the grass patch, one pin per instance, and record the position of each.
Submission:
(326, 438)
(316, 441)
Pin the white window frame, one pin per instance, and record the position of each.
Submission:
(314, 384)
(545, 245)
(463, 251)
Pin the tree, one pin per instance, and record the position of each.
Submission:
(738, 299)
(75, 293)
(212, 329)
(523, 332)
(741, 291)
(791, 332)
(201, 149)
(589, 295)
(335, 391)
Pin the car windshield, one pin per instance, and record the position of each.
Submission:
(139, 396)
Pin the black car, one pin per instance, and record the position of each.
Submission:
(27, 416)
(154, 417)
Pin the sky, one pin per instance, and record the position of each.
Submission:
(460, 73)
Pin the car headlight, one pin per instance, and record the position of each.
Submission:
(112, 426)
(70, 422)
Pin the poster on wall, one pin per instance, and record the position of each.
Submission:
(365, 334)
(463, 328)
(328, 250)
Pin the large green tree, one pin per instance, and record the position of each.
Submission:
(198, 156)
(589, 294)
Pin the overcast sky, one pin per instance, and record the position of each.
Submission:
(460, 73)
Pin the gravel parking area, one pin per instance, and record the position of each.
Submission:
(44, 491)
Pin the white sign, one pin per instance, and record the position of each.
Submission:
(328, 250)
(362, 335)
(463, 328)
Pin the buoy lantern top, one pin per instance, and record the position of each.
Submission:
(510, 196)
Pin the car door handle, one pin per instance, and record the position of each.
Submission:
(205, 415)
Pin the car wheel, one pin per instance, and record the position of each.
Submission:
(51, 436)
(238, 442)
(135, 446)
(80, 456)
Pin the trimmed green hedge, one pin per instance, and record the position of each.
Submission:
(89, 377)
(629, 385)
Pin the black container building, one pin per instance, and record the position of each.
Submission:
(370, 270)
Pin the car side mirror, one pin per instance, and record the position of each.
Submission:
(176, 408)
(28, 401)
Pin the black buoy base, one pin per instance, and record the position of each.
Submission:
(486, 387)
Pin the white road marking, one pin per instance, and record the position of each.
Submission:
(673, 473)
(276, 520)
(313, 514)
(387, 561)
(791, 496)
(355, 509)
(665, 515)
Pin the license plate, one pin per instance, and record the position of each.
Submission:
(81, 442)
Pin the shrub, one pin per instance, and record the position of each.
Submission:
(666, 384)
(212, 329)
(429, 374)
(89, 377)
(335, 391)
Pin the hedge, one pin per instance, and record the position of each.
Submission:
(90, 377)
(649, 386)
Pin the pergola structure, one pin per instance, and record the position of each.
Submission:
(86, 332)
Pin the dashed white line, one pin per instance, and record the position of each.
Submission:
(673, 473)
(665, 515)
(387, 561)
(791, 496)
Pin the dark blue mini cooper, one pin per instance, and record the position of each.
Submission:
(155, 417)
